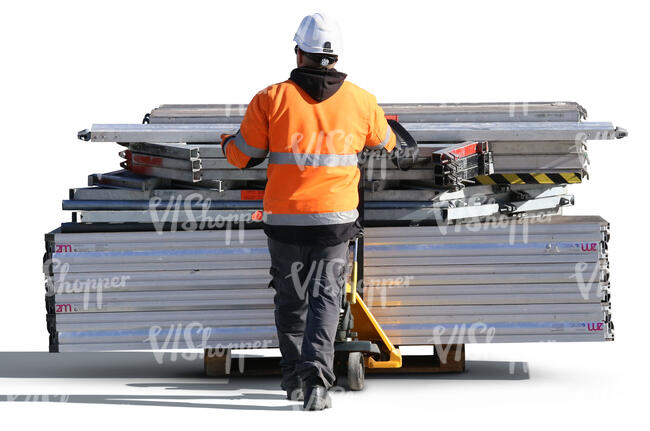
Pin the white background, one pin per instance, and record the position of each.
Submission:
(65, 65)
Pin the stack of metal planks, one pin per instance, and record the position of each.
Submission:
(102, 204)
(169, 253)
(532, 150)
(542, 280)
(538, 279)
(531, 143)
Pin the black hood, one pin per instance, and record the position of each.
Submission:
(320, 84)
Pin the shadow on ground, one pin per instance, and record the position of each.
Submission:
(143, 365)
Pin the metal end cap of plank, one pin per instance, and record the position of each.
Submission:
(84, 135)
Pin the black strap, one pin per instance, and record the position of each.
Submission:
(406, 153)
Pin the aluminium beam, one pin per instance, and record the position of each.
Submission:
(233, 248)
(176, 194)
(491, 299)
(124, 179)
(249, 333)
(408, 112)
(114, 261)
(217, 320)
(573, 162)
(239, 251)
(552, 224)
(425, 250)
(128, 237)
(164, 216)
(498, 328)
(158, 285)
(213, 304)
(264, 294)
(431, 132)
(166, 265)
(387, 313)
(485, 259)
(523, 131)
(536, 147)
(529, 338)
(143, 205)
(160, 161)
(185, 175)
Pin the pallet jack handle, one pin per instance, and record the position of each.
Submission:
(355, 261)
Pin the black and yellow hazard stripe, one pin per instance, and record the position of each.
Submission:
(535, 178)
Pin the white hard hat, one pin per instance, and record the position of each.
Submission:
(319, 34)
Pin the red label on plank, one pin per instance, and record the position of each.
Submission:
(257, 216)
(392, 117)
(465, 151)
(147, 160)
(252, 195)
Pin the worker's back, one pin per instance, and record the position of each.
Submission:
(312, 126)
(313, 151)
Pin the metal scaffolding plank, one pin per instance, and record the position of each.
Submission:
(101, 193)
(528, 338)
(126, 179)
(233, 247)
(468, 319)
(192, 284)
(273, 343)
(200, 255)
(573, 162)
(408, 112)
(186, 175)
(499, 148)
(160, 266)
(514, 131)
(395, 289)
(162, 316)
(172, 216)
(491, 299)
(138, 237)
(197, 205)
(553, 224)
(115, 261)
(473, 268)
(172, 150)
(215, 335)
(215, 304)
(382, 313)
(109, 297)
(160, 161)
(219, 321)
(433, 132)
(499, 328)
(241, 274)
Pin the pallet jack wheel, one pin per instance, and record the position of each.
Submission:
(356, 372)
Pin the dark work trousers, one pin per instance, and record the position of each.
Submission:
(308, 283)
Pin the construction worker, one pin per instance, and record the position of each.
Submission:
(312, 127)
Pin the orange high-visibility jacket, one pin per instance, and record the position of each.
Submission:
(312, 148)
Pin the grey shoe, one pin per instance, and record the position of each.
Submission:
(316, 398)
